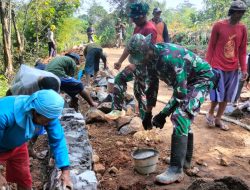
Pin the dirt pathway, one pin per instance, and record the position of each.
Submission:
(212, 146)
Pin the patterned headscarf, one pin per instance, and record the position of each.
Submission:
(138, 9)
(45, 102)
(137, 47)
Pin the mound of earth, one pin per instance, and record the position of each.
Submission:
(226, 183)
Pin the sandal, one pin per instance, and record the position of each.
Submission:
(210, 120)
(222, 126)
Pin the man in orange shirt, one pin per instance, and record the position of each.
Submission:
(161, 27)
(227, 51)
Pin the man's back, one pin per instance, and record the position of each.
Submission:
(90, 47)
(62, 66)
(26, 80)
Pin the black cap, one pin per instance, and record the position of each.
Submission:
(157, 10)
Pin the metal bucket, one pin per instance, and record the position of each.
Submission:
(145, 160)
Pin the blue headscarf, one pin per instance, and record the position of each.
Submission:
(45, 102)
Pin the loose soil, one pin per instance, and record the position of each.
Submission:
(210, 145)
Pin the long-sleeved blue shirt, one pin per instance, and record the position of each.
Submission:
(12, 135)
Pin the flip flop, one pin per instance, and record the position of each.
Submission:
(222, 126)
(210, 120)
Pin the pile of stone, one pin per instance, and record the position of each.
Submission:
(242, 107)
(127, 124)
(238, 110)
(80, 154)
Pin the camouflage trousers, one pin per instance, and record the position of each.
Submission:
(184, 114)
(120, 87)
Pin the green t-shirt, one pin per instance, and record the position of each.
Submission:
(90, 47)
(62, 66)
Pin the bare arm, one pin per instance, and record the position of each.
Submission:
(124, 55)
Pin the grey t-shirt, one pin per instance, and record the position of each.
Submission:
(26, 80)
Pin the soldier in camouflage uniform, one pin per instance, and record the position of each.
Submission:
(134, 70)
(191, 79)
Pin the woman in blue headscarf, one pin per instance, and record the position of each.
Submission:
(20, 118)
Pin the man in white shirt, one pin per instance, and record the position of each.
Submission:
(51, 43)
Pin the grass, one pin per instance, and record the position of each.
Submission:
(3, 85)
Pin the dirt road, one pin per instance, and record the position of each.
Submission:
(212, 146)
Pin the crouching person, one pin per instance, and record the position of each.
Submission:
(191, 79)
(65, 68)
(93, 53)
(20, 118)
(27, 81)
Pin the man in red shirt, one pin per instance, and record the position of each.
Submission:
(227, 50)
(138, 12)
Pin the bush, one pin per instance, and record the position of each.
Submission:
(3, 85)
(105, 32)
(107, 38)
(70, 32)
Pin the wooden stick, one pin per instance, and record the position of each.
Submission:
(202, 112)
(225, 118)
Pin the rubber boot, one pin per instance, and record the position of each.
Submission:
(189, 154)
(178, 155)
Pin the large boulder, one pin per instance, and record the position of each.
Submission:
(94, 115)
(120, 122)
(131, 128)
(105, 107)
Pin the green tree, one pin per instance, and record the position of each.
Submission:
(72, 31)
(96, 13)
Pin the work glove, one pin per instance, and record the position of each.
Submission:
(146, 122)
(159, 120)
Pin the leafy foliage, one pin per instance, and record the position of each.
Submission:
(71, 31)
(187, 26)
(3, 85)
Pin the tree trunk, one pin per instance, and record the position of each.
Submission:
(8, 66)
(37, 29)
(20, 42)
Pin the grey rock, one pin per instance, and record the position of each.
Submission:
(80, 154)
(102, 95)
(120, 122)
(105, 107)
(94, 115)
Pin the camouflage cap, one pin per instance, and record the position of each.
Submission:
(238, 5)
(137, 47)
(138, 9)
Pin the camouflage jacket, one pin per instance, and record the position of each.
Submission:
(177, 67)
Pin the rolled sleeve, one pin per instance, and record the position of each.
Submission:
(57, 143)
